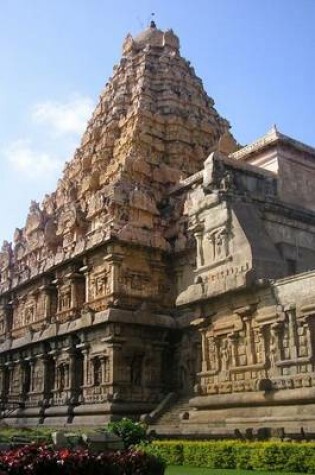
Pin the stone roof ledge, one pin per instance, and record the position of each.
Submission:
(272, 137)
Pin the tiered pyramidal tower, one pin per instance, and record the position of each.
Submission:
(87, 286)
(153, 127)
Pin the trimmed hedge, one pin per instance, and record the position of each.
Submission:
(266, 456)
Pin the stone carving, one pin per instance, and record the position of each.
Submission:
(143, 236)
(50, 234)
(34, 219)
(252, 353)
(67, 220)
(64, 297)
(219, 241)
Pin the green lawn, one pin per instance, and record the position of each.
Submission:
(178, 470)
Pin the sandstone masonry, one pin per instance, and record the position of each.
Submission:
(169, 260)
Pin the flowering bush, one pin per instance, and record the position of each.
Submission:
(44, 460)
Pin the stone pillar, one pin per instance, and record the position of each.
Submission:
(86, 379)
(32, 385)
(3, 381)
(45, 378)
(86, 273)
(74, 302)
(72, 376)
(250, 353)
(205, 351)
(48, 290)
(309, 337)
(290, 312)
(10, 370)
(116, 369)
(25, 376)
(261, 349)
(200, 254)
(274, 352)
(233, 338)
(103, 360)
(216, 342)
(77, 283)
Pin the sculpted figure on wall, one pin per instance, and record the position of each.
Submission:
(220, 242)
(29, 314)
(225, 355)
(101, 284)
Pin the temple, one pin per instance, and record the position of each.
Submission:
(171, 275)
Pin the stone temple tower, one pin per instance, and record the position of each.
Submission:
(168, 262)
(87, 290)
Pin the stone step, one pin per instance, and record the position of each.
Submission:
(172, 415)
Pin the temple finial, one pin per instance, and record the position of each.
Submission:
(152, 22)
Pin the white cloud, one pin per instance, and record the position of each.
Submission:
(43, 153)
(33, 163)
(64, 117)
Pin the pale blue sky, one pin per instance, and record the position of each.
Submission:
(256, 59)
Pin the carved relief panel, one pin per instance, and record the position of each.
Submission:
(279, 350)
(135, 281)
(99, 285)
(138, 278)
(97, 375)
(28, 310)
(64, 297)
(71, 225)
(71, 295)
(219, 243)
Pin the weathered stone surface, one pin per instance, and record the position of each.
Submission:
(168, 260)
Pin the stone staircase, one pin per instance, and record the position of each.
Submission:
(170, 422)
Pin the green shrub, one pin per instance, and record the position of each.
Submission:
(170, 451)
(132, 433)
(299, 456)
(270, 456)
(209, 454)
(243, 453)
(267, 456)
(310, 463)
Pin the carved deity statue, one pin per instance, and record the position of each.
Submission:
(224, 355)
